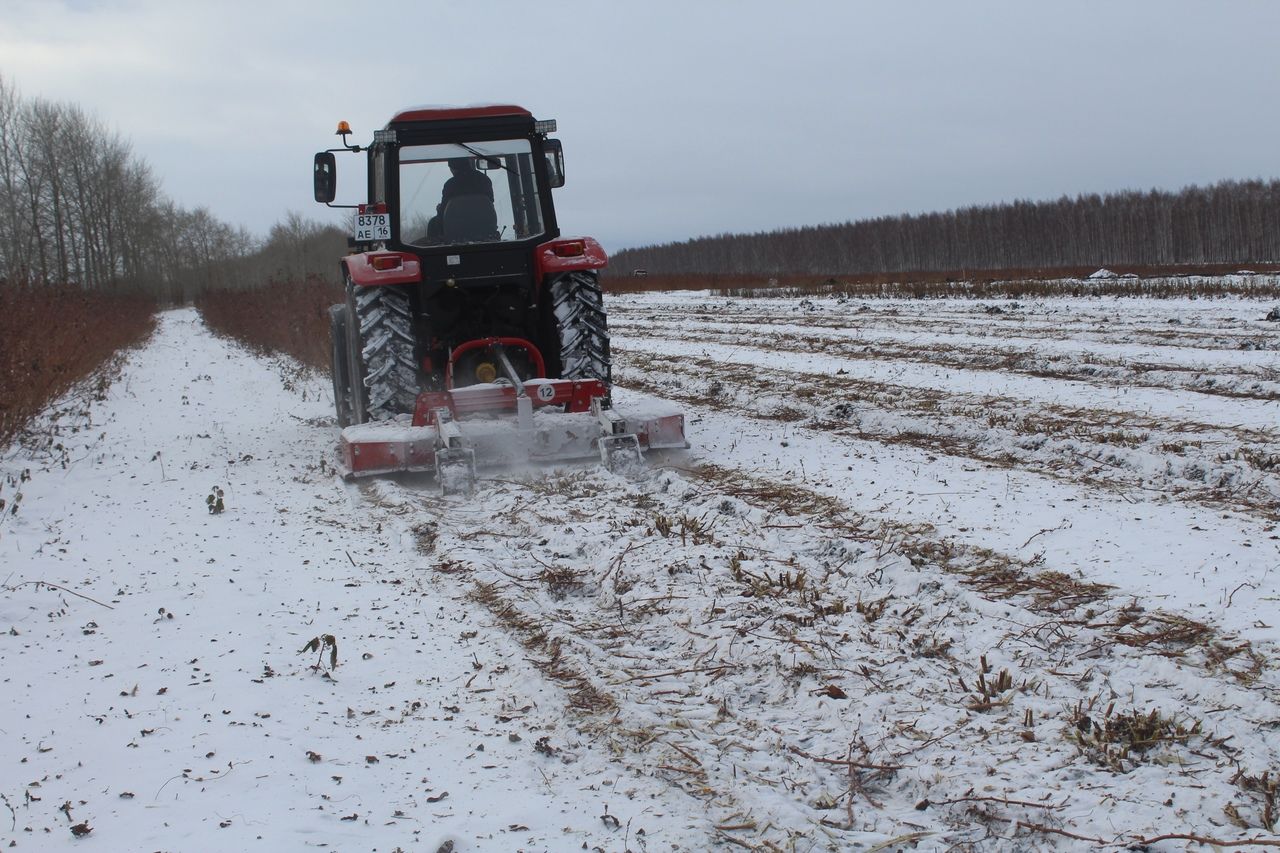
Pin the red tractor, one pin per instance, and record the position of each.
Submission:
(472, 330)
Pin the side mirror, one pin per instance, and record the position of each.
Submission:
(555, 161)
(326, 177)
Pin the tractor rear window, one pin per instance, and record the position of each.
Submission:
(477, 192)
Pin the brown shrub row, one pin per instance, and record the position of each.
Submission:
(52, 337)
(289, 317)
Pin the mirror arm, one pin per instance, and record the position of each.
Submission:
(346, 146)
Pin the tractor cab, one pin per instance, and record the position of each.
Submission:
(446, 178)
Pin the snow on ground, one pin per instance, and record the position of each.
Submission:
(176, 710)
(900, 593)
(998, 459)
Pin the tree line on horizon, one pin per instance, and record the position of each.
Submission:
(1225, 223)
(78, 208)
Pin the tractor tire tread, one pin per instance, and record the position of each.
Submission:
(339, 368)
(577, 304)
(390, 374)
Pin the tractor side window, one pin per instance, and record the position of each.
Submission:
(478, 192)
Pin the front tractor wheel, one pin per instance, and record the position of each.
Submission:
(339, 365)
(577, 318)
(384, 373)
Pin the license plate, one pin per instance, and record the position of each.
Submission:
(373, 227)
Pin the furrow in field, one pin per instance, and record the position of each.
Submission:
(1236, 468)
(814, 674)
(1117, 327)
(1248, 381)
(1254, 351)
(1163, 403)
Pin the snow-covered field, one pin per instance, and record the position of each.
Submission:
(936, 574)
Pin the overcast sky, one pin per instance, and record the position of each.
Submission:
(682, 118)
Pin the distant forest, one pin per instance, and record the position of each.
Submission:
(1233, 222)
(78, 208)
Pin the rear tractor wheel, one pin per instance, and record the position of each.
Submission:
(577, 318)
(339, 365)
(384, 373)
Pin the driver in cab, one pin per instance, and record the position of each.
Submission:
(466, 181)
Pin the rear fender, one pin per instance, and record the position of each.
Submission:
(396, 268)
(568, 254)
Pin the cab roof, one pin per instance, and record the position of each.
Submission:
(441, 112)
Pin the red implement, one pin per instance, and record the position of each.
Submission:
(564, 420)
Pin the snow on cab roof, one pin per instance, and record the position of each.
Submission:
(436, 112)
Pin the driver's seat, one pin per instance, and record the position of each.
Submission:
(470, 219)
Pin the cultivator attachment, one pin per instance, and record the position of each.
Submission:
(455, 462)
(453, 433)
